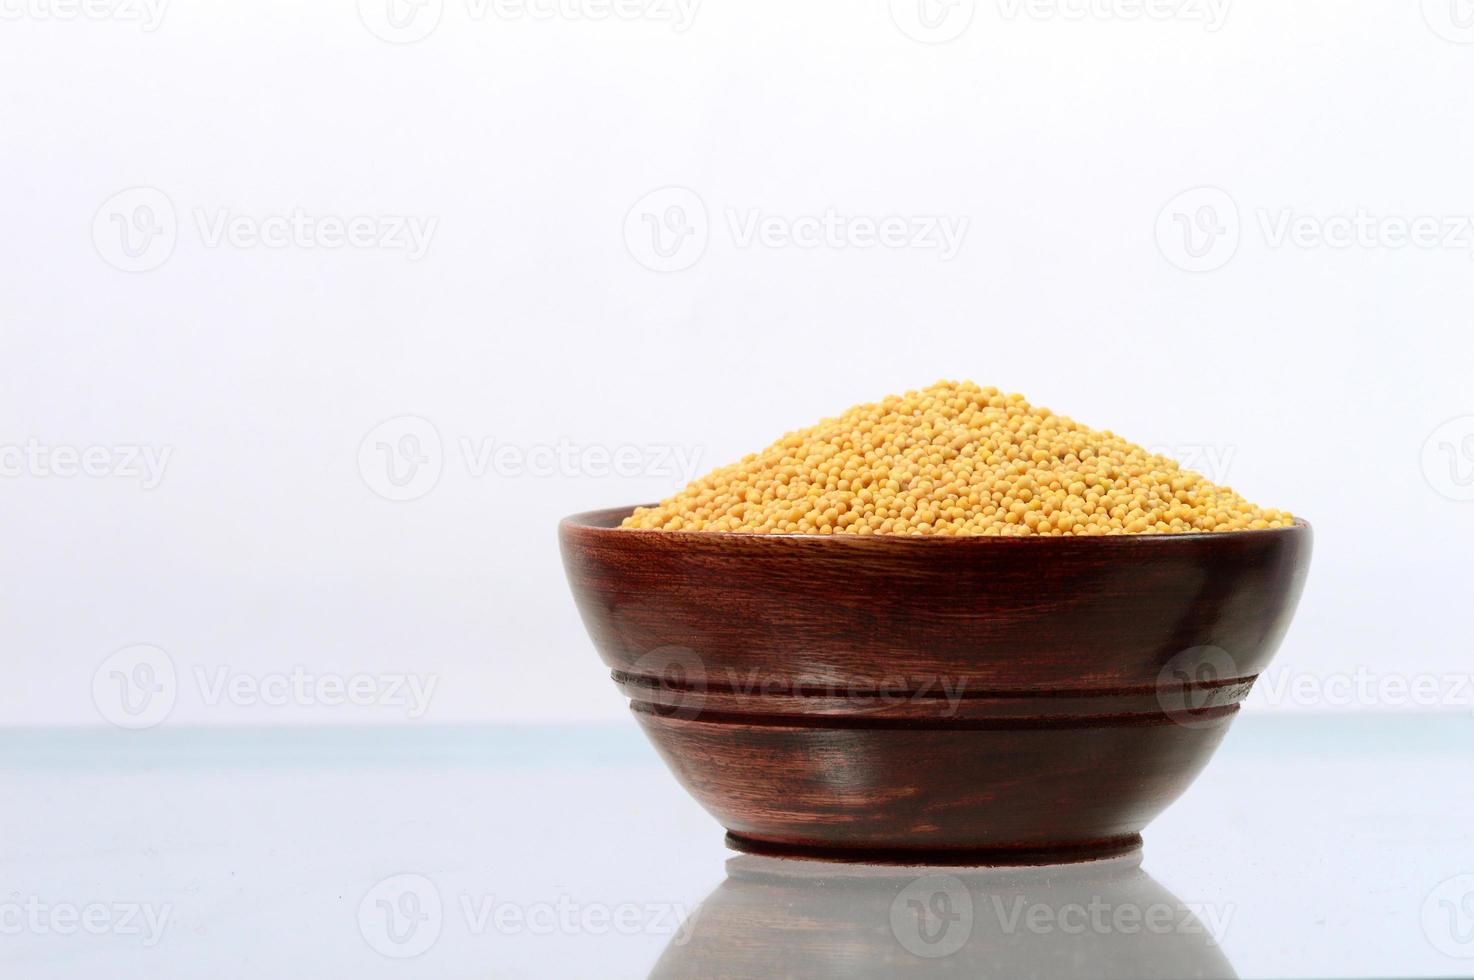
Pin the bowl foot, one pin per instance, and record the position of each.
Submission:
(977, 857)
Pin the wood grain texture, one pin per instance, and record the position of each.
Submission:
(977, 695)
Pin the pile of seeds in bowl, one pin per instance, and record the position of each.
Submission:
(954, 458)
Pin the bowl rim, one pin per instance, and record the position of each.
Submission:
(596, 522)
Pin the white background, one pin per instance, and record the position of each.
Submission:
(1317, 373)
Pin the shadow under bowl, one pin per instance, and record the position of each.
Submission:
(934, 700)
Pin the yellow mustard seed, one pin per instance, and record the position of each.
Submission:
(952, 459)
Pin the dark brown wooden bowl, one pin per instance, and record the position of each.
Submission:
(927, 700)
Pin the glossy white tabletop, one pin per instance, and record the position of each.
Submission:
(1311, 847)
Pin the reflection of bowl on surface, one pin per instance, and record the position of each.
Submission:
(934, 699)
(776, 918)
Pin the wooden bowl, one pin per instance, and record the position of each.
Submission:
(934, 700)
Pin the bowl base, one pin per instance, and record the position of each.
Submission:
(976, 857)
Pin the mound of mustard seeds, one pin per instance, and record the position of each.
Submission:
(954, 458)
